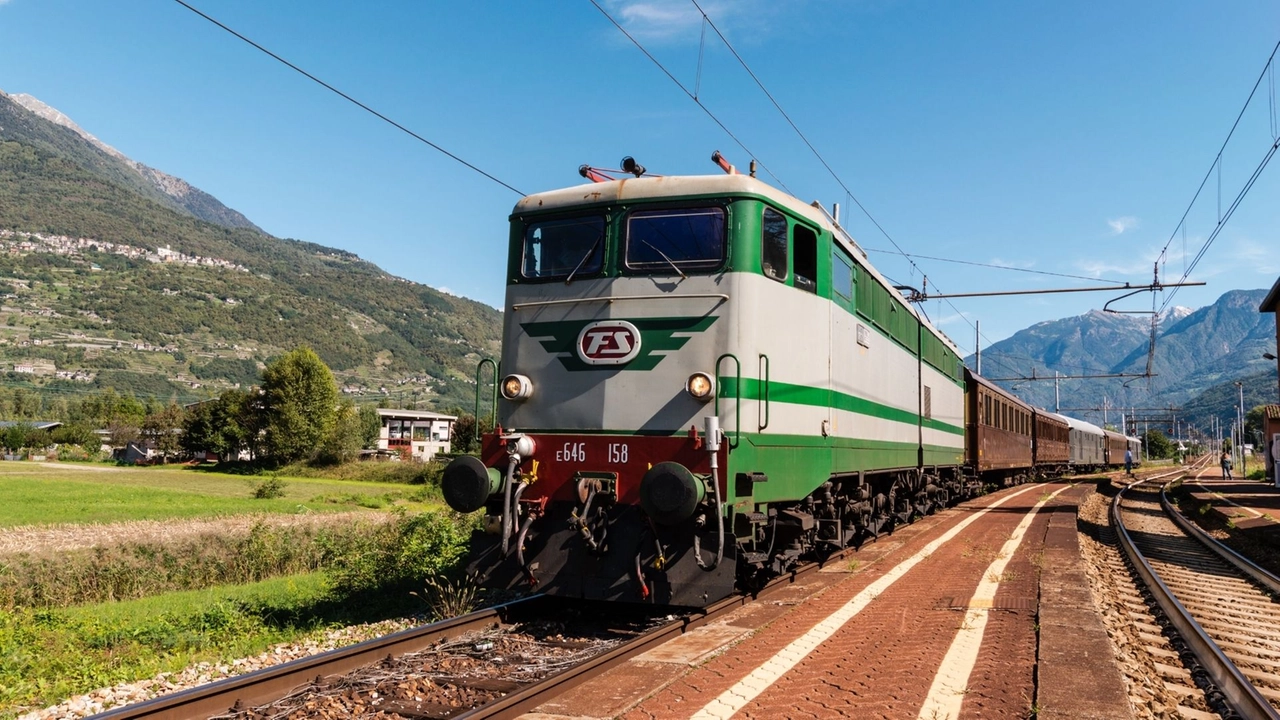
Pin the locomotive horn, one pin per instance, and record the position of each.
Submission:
(630, 165)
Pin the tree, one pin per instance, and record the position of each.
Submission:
(122, 429)
(1253, 422)
(299, 405)
(370, 426)
(74, 434)
(467, 434)
(14, 437)
(163, 427)
(346, 437)
(1157, 444)
(223, 426)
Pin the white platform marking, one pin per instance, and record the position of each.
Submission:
(747, 689)
(949, 685)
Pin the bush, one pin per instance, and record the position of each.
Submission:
(269, 489)
(404, 552)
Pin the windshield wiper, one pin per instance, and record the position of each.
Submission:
(664, 257)
(584, 259)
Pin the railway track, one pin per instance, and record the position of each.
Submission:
(1222, 606)
(284, 691)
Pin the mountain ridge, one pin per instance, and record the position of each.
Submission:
(77, 302)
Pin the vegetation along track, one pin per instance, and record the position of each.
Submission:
(500, 662)
(1221, 605)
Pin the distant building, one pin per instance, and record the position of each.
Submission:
(419, 432)
(37, 424)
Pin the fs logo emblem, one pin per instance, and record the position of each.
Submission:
(637, 344)
(608, 342)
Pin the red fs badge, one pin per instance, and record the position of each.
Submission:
(608, 342)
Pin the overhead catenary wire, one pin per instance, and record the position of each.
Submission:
(996, 267)
(1216, 167)
(352, 100)
(848, 193)
(692, 95)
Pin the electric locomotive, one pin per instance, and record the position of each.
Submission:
(702, 379)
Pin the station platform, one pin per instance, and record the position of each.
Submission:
(1044, 646)
(1252, 506)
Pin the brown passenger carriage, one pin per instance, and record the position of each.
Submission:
(1052, 444)
(998, 432)
(1116, 445)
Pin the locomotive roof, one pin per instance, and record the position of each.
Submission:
(1082, 425)
(676, 186)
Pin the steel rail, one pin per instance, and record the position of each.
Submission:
(527, 699)
(1240, 694)
(1241, 563)
(268, 684)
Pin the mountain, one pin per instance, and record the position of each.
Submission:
(115, 274)
(1194, 350)
(179, 193)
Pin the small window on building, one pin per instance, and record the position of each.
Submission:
(805, 244)
(773, 244)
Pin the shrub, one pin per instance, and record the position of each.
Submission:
(269, 489)
(406, 551)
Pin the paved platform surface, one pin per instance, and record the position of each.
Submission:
(1251, 505)
(1043, 645)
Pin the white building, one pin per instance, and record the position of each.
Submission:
(421, 432)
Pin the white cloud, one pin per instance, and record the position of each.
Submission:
(1023, 265)
(1122, 224)
(667, 19)
(447, 291)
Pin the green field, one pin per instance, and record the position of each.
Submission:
(47, 656)
(33, 494)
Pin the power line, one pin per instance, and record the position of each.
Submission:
(1217, 165)
(692, 96)
(994, 266)
(350, 99)
(814, 150)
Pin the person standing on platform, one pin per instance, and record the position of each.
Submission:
(1128, 461)
(1226, 465)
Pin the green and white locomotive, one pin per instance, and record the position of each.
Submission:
(702, 380)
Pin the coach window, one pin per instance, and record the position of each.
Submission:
(805, 242)
(676, 240)
(773, 244)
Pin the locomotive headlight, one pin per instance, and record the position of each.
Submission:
(517, 387)
(700, 386)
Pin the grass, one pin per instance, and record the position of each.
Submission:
(37, 494)
(47, 656)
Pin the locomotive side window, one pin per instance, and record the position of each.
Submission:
(773, 244)
(564, 247)
(842, 275)
(675, 240)
(805, 242)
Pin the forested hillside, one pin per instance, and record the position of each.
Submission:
(105, 282)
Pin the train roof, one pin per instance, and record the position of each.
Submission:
(1083, 426)
(658, 187)
(996, 388)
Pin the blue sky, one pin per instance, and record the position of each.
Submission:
(1060, 137)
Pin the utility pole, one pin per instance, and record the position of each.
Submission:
(1244, 462)
(977, 343)
(1056, 403)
